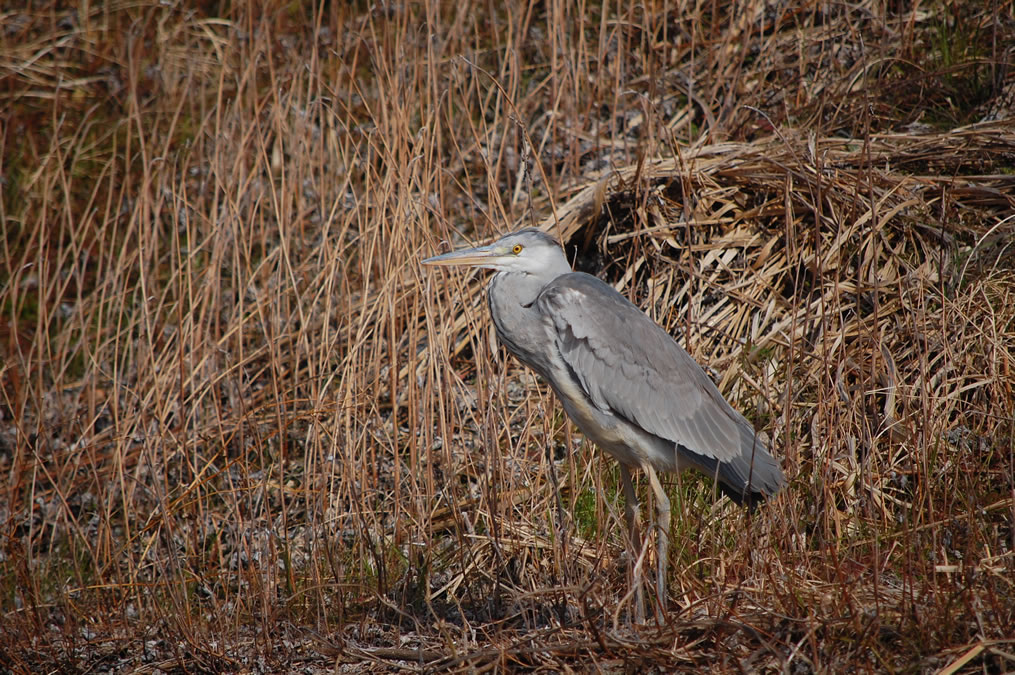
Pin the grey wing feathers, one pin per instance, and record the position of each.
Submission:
(631, 367)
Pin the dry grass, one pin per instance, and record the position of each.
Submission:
(241, 429)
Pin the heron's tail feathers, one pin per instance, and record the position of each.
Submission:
(754, 475)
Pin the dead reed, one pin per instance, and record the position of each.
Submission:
(242, 429)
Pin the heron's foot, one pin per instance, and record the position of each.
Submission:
(638, 581)
(639, 602)
(630, 610)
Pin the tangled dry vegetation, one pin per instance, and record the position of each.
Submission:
(242, 430)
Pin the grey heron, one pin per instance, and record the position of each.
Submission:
(626, 384)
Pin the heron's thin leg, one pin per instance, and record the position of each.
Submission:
(635, 543)
(630, 506)
(663, 548)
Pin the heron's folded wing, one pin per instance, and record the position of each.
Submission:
(631, 367)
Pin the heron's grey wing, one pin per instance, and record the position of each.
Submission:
(631, 367)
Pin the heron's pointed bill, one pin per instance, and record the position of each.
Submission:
(482, 256)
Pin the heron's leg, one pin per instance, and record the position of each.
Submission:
(630, 507)
(663, 548)
(635, 543)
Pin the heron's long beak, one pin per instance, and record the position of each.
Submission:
(483, 256)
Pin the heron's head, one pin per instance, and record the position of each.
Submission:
(527, 251)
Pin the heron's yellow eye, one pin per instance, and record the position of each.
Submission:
(516, 249)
